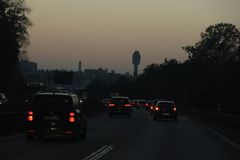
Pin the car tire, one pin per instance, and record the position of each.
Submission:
(109, 115)
(129, 115)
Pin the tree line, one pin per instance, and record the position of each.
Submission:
(209, 78)
(14, 38)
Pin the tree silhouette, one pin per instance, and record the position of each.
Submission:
(14, 23)
(219, 44)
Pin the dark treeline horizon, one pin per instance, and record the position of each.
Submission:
(208, 79)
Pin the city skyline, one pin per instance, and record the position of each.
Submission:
(105, 34)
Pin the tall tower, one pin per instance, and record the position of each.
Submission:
(80, 66)
(136, 61)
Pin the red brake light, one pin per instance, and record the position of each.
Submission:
(157, 108)
(71, 114)
(30, 116)
(175, 109)
(127, 105)
(71, 119)
(111, 105)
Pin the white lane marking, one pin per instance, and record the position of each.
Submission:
(99, 153)
(86, 158)
(222, 137)
(11, 137)
(105, 151)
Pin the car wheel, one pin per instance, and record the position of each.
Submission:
(129, 115)
(109, 115)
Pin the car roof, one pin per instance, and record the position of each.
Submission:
(121, 97)
(165, 102)
(55, 93)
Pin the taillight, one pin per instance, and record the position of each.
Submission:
(127, 105)
(111, 105)
(157, 108)
(30, 116)
(71, 114)
(174, 109)
(71, 117)
(151, 107)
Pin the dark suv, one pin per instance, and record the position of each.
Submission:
(119, 106)
(56, 114)
(165, 109)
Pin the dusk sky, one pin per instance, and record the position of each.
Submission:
(105, 33)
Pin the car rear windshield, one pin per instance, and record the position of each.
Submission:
(119, 100)
(52, 102)
(166, 104)
(141, 102)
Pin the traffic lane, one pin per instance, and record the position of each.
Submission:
(102, 131)
(137, 138)
(18, 148)
(168, 140)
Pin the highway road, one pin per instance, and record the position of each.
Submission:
(121, 138)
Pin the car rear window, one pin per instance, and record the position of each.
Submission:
(52, 102)
(141, 102)
(119, 100)
(166, 104)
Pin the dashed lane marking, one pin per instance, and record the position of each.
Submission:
(99, 153)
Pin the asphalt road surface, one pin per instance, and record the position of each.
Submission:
(122, 138)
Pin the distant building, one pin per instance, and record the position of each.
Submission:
(80, 78)
(136, 58)
(95, 73)
(80, 66)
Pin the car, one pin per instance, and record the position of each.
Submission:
(119, 106)
(142, 103)
(3, 99)
(139, 103)
(165, 109)
(149, 104)
(152, 107)
(105, 102)
(56, 115)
